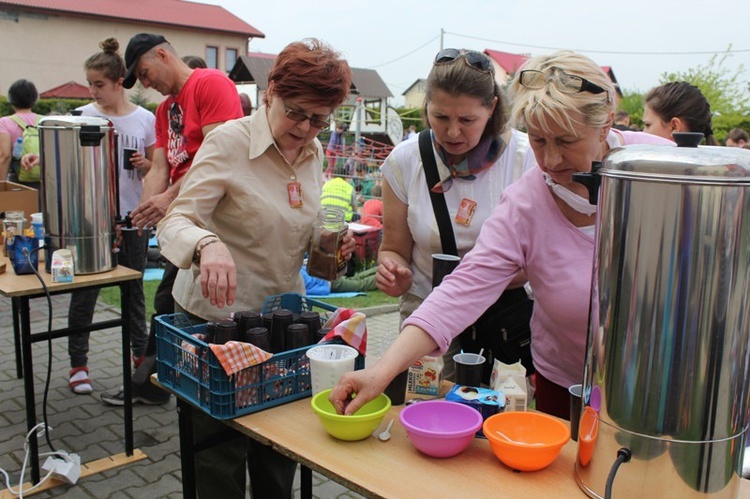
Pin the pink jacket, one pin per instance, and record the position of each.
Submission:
(526, 231)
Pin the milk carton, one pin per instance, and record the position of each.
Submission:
(511, 381)
(62, 266)
(424, 378)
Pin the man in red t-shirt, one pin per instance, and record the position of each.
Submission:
(198, 100)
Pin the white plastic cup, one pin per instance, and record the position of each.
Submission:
(328, 363)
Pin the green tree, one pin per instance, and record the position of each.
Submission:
(725, 89)
(632, 102)
(137, 96)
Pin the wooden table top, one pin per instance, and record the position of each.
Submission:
(12, 285)
(396, 469)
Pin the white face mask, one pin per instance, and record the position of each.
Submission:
(581, 205)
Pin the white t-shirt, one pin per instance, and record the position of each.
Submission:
(405, 174)
(136, 131)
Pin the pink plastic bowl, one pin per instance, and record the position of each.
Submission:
(439, 428)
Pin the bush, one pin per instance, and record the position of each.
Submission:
(45, 106)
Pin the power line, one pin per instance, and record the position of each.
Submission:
(612, 52)
(406, 54)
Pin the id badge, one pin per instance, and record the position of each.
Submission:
(465, 212)
(294, 190)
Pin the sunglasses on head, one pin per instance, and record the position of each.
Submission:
(299, 117)
(175, 119)
(473, 59)
(564, 82)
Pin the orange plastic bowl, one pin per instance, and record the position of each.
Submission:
(538, 439)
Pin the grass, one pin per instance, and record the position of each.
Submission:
(371, 299)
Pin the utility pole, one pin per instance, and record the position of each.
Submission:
(442, 34)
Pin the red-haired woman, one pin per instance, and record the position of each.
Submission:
(239, 228)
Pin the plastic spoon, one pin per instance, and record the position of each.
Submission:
(506, 437)
(386, 434)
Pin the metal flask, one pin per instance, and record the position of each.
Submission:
(79, 189)
(666, 373)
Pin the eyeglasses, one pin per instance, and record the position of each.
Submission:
(564, 82)
(299, 117)
(475, 60)
(175, 119)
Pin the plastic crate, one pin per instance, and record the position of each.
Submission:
(187, 365)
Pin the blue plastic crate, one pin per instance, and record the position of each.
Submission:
(187, 365)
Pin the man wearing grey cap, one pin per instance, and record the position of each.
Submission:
(198, 100)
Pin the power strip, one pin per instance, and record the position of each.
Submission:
(66, 467)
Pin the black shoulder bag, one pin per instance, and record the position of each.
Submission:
(503, 329)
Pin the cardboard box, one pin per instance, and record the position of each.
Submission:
(18, 197)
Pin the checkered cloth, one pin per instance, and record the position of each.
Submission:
(350, 326)
(235, 356)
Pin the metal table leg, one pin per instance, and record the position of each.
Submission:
(17, 339)
(187, 450)
(22, 305)
(305, 482)
(126, 374)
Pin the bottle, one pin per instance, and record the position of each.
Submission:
(18, 148)
(325, 259)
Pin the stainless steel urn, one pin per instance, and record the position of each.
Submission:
(666, 377)
(79, 189)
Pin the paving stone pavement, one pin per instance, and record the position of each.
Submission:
(84, 425)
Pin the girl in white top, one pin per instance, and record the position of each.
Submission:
(135, 130)
(477, 157)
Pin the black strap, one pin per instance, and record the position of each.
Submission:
(439, 206)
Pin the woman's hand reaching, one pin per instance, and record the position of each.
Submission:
(393, 278)
(218, 275)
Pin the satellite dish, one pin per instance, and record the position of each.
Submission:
(394, 126)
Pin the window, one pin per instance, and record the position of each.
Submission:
(212, 57)
(230, 59)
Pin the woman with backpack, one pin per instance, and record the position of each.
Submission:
(22, 96)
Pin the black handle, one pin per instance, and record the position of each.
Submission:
(591, 180)
(687, 139)
(91, 135)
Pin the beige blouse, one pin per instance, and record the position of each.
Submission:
(237, 190)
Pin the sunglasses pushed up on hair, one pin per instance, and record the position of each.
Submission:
(475, 60)
(564, 82)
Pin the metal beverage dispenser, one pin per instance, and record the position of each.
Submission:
(79, 189)
(666, 376)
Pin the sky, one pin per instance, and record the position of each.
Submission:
(639, 39)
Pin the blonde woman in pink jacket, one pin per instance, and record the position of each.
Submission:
(543, 225)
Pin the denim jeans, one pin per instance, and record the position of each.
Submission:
(82, 304)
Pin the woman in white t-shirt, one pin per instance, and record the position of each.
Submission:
(477, 157)
(135, 130)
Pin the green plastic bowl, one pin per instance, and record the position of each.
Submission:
(358, 426)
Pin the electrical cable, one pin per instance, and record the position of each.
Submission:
(406, 54)
(20, 492)
(593, 51)
(28, 254)
(623, 456)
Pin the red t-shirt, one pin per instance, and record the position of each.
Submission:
(208, 97)
(372, 213)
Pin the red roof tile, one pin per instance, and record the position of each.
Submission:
(70, 90)
(162, 12)
(509, 62)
